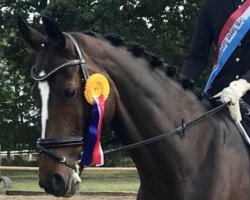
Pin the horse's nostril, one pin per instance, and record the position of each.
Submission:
(57, 184)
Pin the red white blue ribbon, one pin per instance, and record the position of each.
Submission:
(231, 34)
(92, 152)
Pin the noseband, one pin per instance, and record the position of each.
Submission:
(46, 146)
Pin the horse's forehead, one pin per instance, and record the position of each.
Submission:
(48, 59)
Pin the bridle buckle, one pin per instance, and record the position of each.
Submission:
(62, 159)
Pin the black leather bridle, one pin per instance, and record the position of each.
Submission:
(46, 146)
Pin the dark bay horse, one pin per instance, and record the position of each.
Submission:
(210, 163)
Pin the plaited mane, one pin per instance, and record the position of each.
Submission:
(138, 50)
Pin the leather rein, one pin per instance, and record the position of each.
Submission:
(178, 131)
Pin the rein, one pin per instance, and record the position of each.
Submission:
(180, 130)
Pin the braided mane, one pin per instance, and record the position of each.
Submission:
(137, 50)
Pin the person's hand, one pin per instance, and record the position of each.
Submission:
(232, 95)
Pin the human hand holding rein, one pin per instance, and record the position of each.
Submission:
(232, 95)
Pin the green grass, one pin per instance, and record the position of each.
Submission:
(92, 181)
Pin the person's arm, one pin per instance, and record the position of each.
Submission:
(203, 37)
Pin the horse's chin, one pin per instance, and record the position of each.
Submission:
(73, 185)
(71, 192)
(73, 188)
(68, 190)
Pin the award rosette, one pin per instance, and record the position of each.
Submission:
(96, 85)
(96, 92)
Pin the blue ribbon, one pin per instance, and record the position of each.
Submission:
(87, 156)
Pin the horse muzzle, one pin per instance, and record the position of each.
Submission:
(59, 186)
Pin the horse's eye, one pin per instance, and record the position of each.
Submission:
(69, 93)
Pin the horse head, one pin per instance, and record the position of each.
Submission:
(60, 73)
(142, 103)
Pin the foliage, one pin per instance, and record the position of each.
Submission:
(17, 112)
(152, 23)
(163, 26)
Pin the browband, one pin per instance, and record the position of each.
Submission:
(67, 64)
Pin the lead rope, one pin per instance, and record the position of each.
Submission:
(180, 130)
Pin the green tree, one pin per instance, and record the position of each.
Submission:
(17, 119)
(152, 23)
(163, 26)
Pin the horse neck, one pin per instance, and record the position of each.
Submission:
(145, 95)
(149, 104)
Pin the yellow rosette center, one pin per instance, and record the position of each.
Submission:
(96, 85)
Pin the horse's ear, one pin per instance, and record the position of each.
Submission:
(54, 33)
(30, 35)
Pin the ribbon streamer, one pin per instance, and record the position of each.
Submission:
(92, 152)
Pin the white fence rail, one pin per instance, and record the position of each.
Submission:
(29, 155)
(14, 168)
